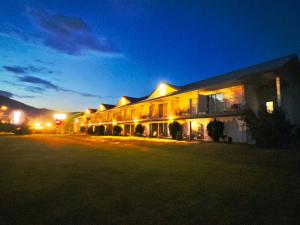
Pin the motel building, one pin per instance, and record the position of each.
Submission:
(271, 84)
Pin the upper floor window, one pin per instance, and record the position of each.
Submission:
(270, 106)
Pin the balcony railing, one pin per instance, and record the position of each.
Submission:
(208, 107)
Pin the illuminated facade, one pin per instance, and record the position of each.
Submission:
(270, 84)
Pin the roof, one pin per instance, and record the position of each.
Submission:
(264, 67)
(108, 106)
(91, 110)
(134, 100)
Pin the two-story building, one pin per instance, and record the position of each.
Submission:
(271, 84)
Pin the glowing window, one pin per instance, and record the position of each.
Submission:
(270, 106)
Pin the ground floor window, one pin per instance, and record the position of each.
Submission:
(158, 129)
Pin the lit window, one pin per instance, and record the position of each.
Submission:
(270, 106)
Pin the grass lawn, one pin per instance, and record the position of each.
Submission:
(87, 180)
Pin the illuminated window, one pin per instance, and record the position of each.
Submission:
(270, 106)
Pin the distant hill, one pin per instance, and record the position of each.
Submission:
(29, 110)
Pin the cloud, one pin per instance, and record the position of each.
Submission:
(12, 31)
(26, 69)
(11, 95)
(69, 35)
(32, 89)
(15, 69)
(37, 80)
(47, 85)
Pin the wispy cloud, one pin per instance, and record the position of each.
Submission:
(11, 95)
(67, 34)
(15, 69)
(44, 85)
(26, 69)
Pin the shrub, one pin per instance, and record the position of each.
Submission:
(99, 130)
(175, 129)
(117, 130)
(7, 127)
(269, 129)
(215, 130)
(22, 129)
(139, 130)
(90, 130)
(82, 129)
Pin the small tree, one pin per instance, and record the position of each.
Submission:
(90, 130)
(117, 130)
(99, 130)
(269, 129)
(22, 129)
(175, 129)
(139, 130)
(215, 129)
(82, 129)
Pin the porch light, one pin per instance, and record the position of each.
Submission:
(135, 121)
(162, 89)
(123, 101)
(4, 108)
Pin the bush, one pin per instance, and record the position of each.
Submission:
(99, 130)
(215, 130)
(139, 130)
(117, 130)
(269, 129)
(82, 129)
(90, 130)
(7, 127)
(22, 129)
(175, 129)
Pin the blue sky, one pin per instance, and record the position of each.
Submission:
(70, 55)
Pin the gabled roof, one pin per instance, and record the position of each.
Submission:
(90, 111)
(133, 99)
(108, 106)
(163, 89)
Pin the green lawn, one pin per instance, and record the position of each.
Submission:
(81, 180)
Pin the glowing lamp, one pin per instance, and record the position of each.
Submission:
(4, 108)
(162, 89)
